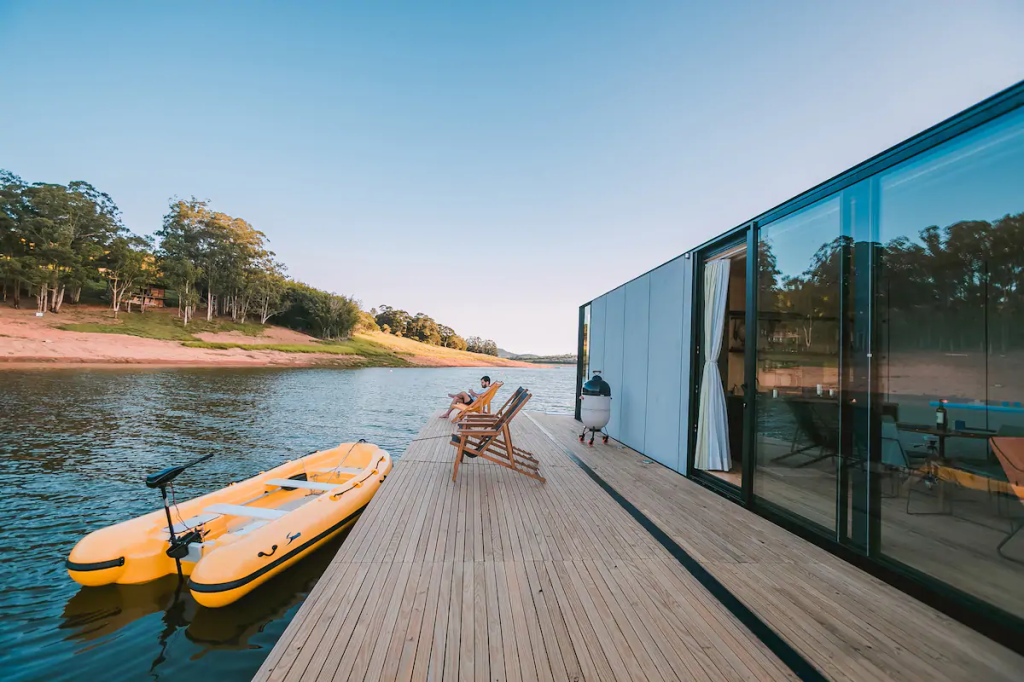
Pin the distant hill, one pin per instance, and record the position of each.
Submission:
(566, 359)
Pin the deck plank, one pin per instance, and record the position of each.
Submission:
(498, 576)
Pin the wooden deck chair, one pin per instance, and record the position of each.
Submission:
(493, 442)
(486, 417)
(482, 403)
(1010, 452)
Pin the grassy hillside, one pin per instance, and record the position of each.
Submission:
(434, 355)
(160, 325)
(363, 351)
(374, 349)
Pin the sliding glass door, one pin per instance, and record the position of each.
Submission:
(720, 381)
(950, 309)
(800, 259)
(889, 403)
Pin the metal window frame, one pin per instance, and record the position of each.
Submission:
(581, 368)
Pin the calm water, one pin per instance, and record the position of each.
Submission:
(75, 447)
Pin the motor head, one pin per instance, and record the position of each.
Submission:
(162, 478)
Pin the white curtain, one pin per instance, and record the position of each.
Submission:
(712, 422)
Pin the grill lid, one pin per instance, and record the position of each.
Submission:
(597, 386)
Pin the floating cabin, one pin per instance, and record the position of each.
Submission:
(850, 364)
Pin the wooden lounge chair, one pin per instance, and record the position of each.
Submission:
(1010, 452)
(493, 442)
(487, 417)
(481, 405)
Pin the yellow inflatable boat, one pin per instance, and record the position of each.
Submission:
(233, 540)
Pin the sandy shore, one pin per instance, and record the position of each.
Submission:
(27, 341)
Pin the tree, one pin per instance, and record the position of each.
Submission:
(423, 328)
(316, 312)
(335, 316)
(181, 237)
(474, 344)
(397, 321)
(268, 289)
(14, 246)
(71, 227)
(367, 323)
(247, 256)
(449, 339)
(53, 236)
(124, 266)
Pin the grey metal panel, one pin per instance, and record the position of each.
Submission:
(633, 394)
(614, 319)
(597, 329)
(665, 381)
(685, 389)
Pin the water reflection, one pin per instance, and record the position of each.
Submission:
(96, 613)
(75, 447)
(231, 627)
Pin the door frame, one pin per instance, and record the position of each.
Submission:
(582, 356)
(744, 235)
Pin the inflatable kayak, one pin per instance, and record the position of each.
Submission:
(233, 540)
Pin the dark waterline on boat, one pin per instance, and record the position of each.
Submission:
(76, 445)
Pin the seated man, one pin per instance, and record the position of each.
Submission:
(466, 397)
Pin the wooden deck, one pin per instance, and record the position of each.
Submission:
(499, 576)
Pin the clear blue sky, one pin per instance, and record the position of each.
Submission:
(472, 161)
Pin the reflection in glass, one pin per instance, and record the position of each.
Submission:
(797, 439)
(585, 360)
(949, 307)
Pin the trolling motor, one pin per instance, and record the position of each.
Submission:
(178, 548)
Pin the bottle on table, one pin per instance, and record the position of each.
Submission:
(941, 418)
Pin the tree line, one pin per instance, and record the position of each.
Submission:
(425, 329)
(954, 288)
(58, 240)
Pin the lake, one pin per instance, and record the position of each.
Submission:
(75, 447)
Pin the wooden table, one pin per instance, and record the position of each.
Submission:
(941, 435)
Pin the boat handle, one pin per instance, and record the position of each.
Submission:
(270, 553)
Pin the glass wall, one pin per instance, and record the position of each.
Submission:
(797, 402)
(888, 345)
(949, 312)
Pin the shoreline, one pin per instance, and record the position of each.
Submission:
(293, 361)
(73, 363)
(28, 342)
(286, 361)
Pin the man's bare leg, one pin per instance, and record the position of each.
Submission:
(459, 399)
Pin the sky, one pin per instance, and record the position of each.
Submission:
(491, 165)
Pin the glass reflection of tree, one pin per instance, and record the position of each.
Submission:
(799, 313)
(954, 286)
(946, 290)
